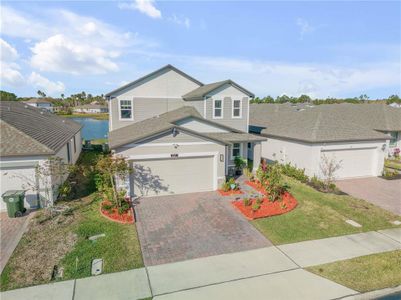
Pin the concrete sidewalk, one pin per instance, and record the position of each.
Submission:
(316, 252)
(253, 274)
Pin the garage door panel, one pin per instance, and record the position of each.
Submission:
(353, 162)
(172, 176)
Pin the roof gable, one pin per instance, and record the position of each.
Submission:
(205, 90)
(151, 76)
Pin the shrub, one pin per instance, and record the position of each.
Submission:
(274, 185)
(248, 174)
(258, 200)
(294, 172)
(225, 186)
(316, 183)
(240, 162)
(232, 182)
(246, 201)
(387, 173)
(255, 206)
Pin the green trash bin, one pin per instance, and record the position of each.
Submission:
(15, 203)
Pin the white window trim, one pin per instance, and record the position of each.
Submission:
(232, 148)
(119, 110)
(240, 109)
(222, 109)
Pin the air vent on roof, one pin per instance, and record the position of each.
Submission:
(26, 106)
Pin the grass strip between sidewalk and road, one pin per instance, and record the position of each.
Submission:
(365, 273)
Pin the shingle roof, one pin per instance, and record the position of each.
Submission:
(235, 137)
(146, 128)
(167, 67)
(27, 130)
(38, 100)
(326, 123)
(202, 91)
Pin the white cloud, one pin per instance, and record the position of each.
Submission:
(184, 21)
(10, 71)
(59, 53)
(146, 7)
(49, 87)
(65, 42)
(304, 27)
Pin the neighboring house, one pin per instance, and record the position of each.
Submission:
(29, 136)
(179, 134)
(91, 109)
(358, 136)
(40, 103)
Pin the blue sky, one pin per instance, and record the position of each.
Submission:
(318, 48)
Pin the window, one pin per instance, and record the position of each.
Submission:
(394, 138)
(75, 145)
(217, 109)
(68, 153)
(236, 150)
(237, 109)
(126, 110)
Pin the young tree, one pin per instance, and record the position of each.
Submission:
(328, 167)
(109, 169)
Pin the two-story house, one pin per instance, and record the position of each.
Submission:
(40, 103)
(179, 134)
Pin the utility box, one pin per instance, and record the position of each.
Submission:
(15, 203)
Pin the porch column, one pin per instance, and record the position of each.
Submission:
(257, 154)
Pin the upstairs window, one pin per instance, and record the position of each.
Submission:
(237, 109)
(217, 109)
(126, 110)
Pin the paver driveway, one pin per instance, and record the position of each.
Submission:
(181, 227)
(381, 192)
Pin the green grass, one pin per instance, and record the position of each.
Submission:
(320, 215)
(63, 240)
(119, 249)
(101, 116)
(365, 273)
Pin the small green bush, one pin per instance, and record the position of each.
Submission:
(246, 201)
(294, 172)
(255, 206)
(258, 200)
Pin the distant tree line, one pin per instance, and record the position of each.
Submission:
(306, 99)
(65, 103)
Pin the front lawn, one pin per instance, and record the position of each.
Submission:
(365, 273)
(63, 241)
(320, 215)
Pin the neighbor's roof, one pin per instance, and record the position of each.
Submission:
(165, 68)
(92, 106)
(146, 128)
(26, 130)
(327, 122)
(204, 90)
(38, 100)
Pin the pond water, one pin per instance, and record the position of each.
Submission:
(93, 129)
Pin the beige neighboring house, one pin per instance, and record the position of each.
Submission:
(91, 109)
(180, 135)
(358, 136)
(40, 103)
(29, 136)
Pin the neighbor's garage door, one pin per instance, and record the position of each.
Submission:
(353, 162)
(172, 176)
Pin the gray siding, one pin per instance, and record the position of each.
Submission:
(240, 124)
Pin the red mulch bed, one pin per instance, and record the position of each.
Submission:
(113, 215)
(230, 192)
(267, 208)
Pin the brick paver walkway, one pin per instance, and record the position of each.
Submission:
(11, 231)
(182, 227)
(379, 191)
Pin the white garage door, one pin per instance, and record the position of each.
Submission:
(19, 178)
(172, 176)
(353, 162)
